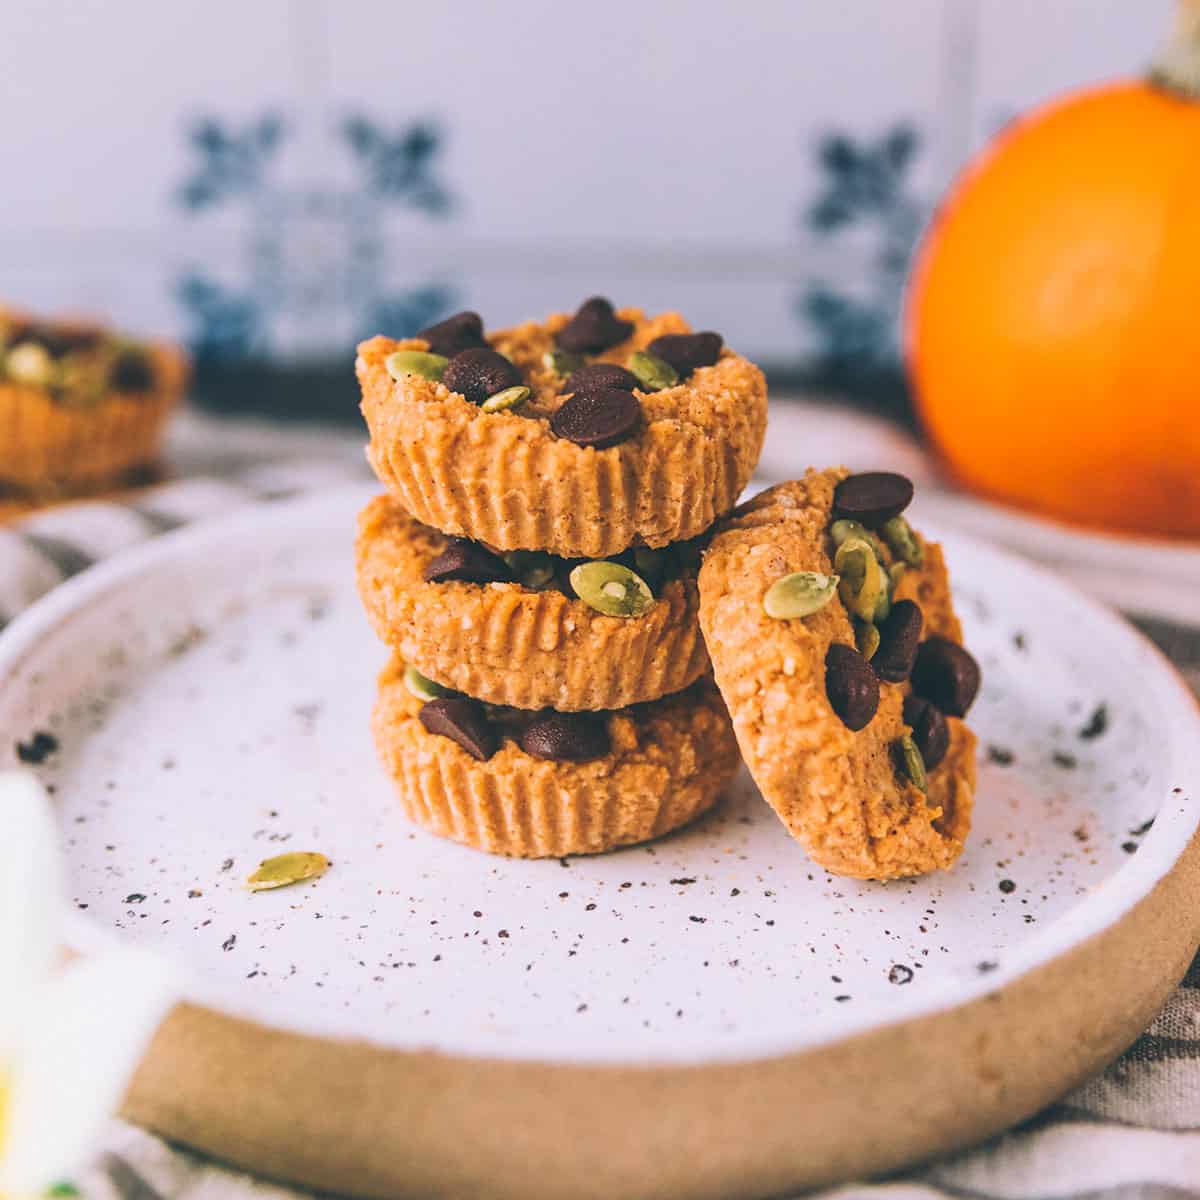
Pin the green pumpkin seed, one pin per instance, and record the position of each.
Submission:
(512, 397)
(651, 565)
(862, 578)
(421, 687)
(843, 529)
(912, 762)
(653, 373)
(286, 869)
(883, 606)
(898, 534)
(799, 594)
(612, 589)
(416, 362)
(534, 569)
(562, 362)
(31, 364)
(866, 638)
(895, 574)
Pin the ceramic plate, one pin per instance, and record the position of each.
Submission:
(210, 692)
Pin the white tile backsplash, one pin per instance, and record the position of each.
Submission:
(663, 152)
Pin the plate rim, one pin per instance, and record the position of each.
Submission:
(1177, 821)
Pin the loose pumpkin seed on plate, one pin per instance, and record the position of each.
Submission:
(612, 589)
(416, 362)
(286, 869)
(799, 594)
(862, 578)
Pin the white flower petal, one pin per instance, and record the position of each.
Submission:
(31, 895)
(93, 1021)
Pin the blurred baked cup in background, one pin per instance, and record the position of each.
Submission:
(81, 406)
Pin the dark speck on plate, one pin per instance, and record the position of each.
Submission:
(1068, 762)
(229, 943)
(984, 967)
(1000, 756)
(900, 974)
(1129, 847)
(39, 748)
(1143, 828)
(135, 897)
(698, 920)
(1097, 723)
(1007, 886)
(683, 881)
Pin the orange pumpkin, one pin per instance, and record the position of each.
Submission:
(1053, 318)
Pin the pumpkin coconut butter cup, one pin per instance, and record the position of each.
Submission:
(652, 442)
(80, 407)
(513, 630)
(548, 784)
(836, 647)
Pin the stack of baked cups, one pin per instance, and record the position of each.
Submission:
(533, 567)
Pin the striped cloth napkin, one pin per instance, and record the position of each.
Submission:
(1131, 1133)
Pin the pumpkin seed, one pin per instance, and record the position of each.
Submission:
(533, 569)
(416, 362)
(512, 397)
(883, 606)
(912, 762)
(286, 869)
(651, 565)
(843, 529)
(895, 574)
(653, 373)
(799, 594)
(866, 638)
(903, 543)
(421, 687)
(30, 363)
(612, 589)
(562, 362)
(862, 578)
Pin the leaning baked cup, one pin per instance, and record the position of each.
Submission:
(475, 631)
(656, 468)
(847, 707)
(80, 409)
(536, 785)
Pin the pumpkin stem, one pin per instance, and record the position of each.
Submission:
(1178, 67)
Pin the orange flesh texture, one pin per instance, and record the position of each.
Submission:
(1053, 325)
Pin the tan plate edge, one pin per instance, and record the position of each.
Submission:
(355, 1118)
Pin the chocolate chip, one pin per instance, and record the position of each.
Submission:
(873, 497)
(479, 373)
(899, 637)
(594, 327)
(600, 418)
(851, 685)
(947, 675)
(467, 562)
(463, 331)
(600, 376)
(462, 720)
(929, 730)
(132, 372)
(566, 737)
(687, 351)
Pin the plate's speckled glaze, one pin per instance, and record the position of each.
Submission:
(210, 695)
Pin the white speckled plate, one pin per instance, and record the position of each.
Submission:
(210, 695)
